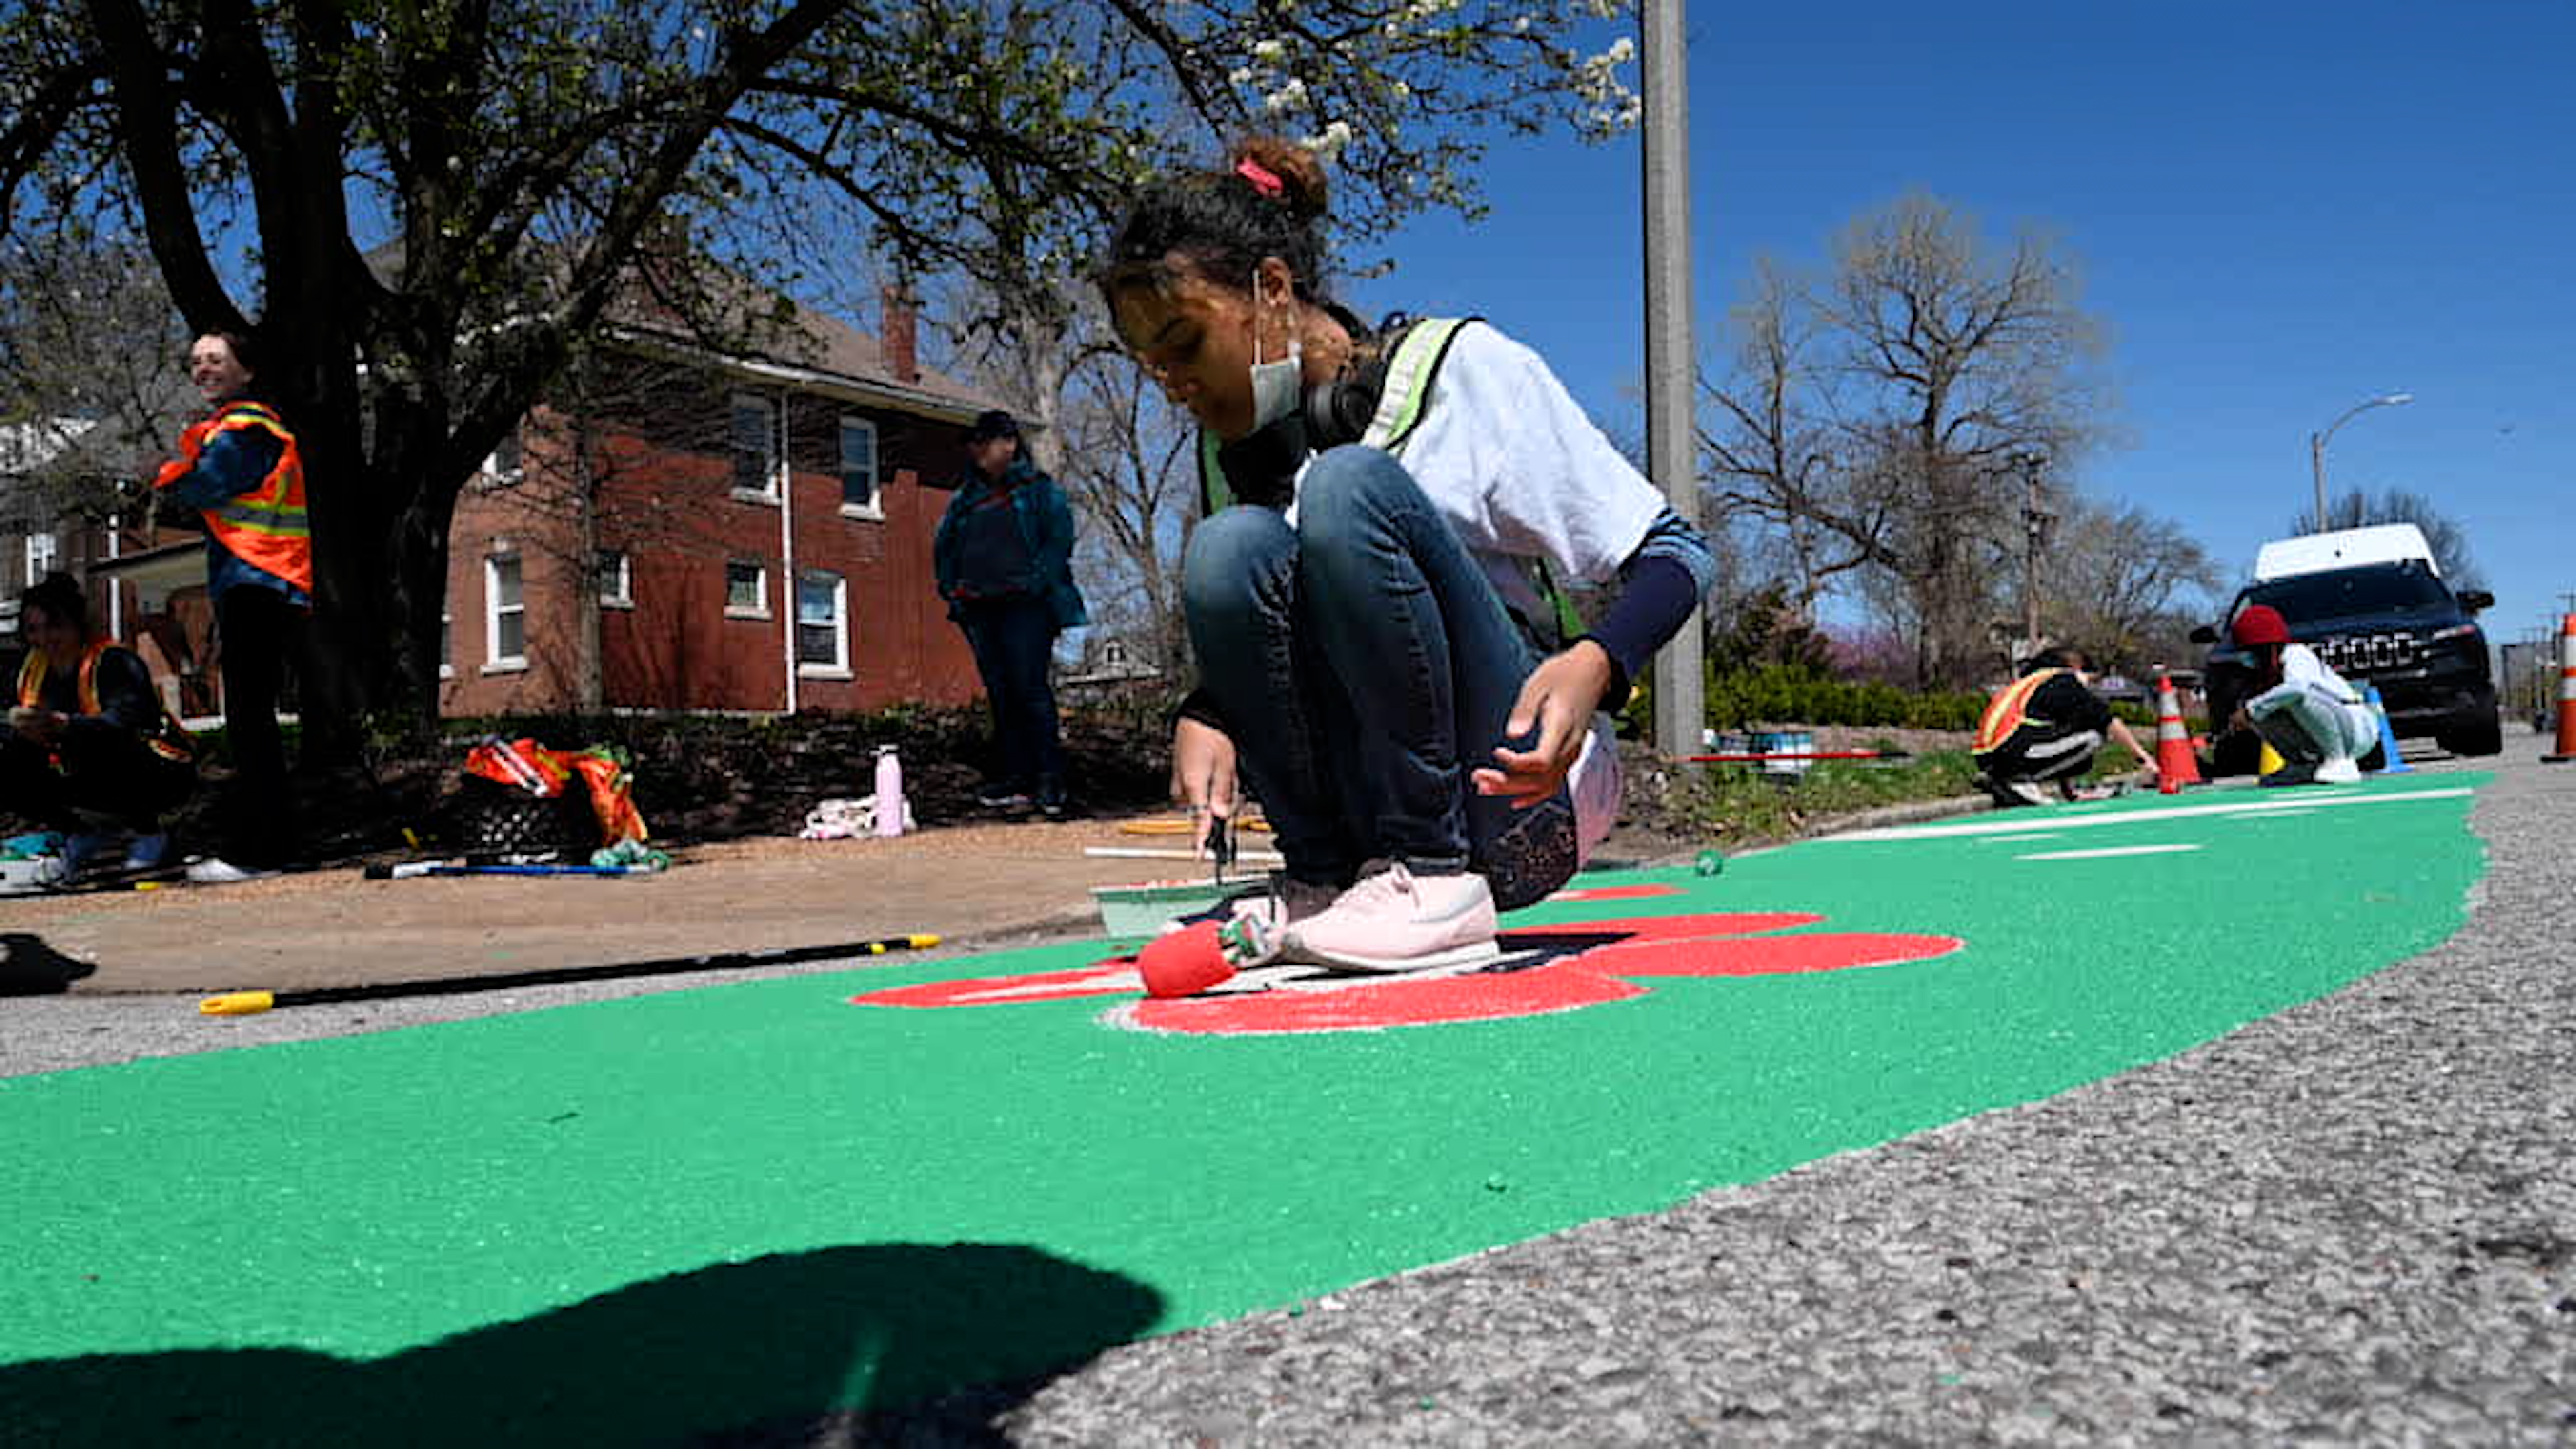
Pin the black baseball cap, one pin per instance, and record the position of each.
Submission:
(993, 424)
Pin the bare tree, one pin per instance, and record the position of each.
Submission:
(2124, 584)
(2447, 538)
(89, 346)
(1772, 459)
(1130, 466)
(1956, 357)
(1874, 416)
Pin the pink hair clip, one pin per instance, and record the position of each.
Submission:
(1263, 179)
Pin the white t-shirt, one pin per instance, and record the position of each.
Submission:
(1520, 473)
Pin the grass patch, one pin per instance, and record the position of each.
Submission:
(1737, 805)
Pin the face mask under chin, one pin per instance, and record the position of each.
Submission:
(1261, 466)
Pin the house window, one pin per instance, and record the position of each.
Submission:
(859, 468)
(42, 550)
(446, 645)
(505, 467)
(755, 447)
(746, 590)
(822, 624)
(505, 615)
(616, 575)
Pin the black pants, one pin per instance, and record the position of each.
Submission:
(261, 632)
(1014, 641)
(2041, 752)
(106, 770)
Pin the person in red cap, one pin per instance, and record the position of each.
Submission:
(2310, 714)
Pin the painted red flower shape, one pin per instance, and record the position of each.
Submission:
(1563, 967)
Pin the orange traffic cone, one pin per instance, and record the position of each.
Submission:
(2566, 694)
(2175, 766)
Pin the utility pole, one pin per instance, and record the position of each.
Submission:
(2034, 522)
(1672, 432)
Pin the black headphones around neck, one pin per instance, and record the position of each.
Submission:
(1340, 408)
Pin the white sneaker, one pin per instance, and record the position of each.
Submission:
(215, 870)
(2341, 770)
(1398, 921)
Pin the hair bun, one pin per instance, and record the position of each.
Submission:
(1303, 189)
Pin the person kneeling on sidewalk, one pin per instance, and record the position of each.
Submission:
(2045, 728)
(90, 745)
(2315, 719)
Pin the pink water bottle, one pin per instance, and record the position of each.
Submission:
(890, 810)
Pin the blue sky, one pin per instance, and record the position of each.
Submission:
(2280, 209)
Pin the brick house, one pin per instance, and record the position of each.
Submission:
(146, 584)
(704, 532)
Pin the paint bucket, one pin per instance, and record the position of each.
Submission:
(1143, 910)
(1786, 742)
(1725, 742)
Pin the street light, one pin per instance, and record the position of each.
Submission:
(2317, 445)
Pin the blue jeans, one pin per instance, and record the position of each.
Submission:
(1013, 640)
(1364, 665)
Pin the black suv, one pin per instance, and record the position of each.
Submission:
(2395, 625)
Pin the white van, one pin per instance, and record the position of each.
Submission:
(2312, 553)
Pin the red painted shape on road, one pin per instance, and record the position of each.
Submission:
(1579, 964)
(1372, 1005)
(1778, 956)
(1612, 893)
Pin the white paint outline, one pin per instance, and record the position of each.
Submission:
(2105, 852)
(2265, 806)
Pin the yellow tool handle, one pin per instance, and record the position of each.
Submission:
(237, 1003)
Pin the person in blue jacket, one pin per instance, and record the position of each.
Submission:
(1004, 556)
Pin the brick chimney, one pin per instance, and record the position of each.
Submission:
(898, 335)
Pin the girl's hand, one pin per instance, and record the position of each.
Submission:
(1557, 700)
(40, 725)
(1202, 776)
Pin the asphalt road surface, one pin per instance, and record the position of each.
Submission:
(2354, 1221)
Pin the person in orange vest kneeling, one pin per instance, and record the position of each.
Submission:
(239, 468)
(2044, 729)
(90, 749)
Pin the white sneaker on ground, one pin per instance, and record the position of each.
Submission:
(215, 870)
(1395, 920)
(2010, 793)
(2338, 771)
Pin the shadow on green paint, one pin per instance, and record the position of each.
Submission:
(721, 1348)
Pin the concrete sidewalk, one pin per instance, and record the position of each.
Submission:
(970, 885)
(335, 928)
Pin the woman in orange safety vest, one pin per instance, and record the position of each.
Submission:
(240, 469)
(90, 744)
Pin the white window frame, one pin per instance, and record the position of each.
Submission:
(617, 585)
(447, 643)
(494, 661)
(768, 491)
(838, 667)
(43, 550)
(760, 581)
(496, 474)
(874, 508)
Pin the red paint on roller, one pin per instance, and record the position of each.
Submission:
(1184, 962)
